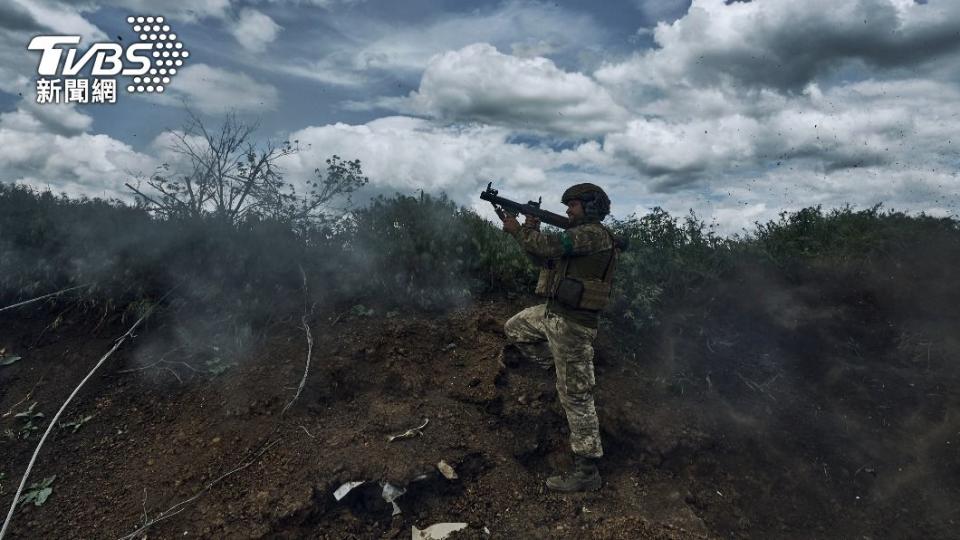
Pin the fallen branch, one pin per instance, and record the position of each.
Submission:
(181, 506)
(37, 299)
(161, 364)
(412, 432)
(306, 329)
(30, 393)
(53, 421)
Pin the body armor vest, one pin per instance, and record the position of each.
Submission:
(581, 281)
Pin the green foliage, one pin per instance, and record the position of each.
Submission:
(665, 259)
(841, 237)
(427, 252)
(31, 420)
(359, 310)
(38, 492)
(217, 366)
(75, 425)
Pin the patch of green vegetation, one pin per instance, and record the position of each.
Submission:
(38, 492)
(31, 420)
(76, 424)
(843, 236)
(666, 259)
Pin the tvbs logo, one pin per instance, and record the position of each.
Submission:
(152, 62)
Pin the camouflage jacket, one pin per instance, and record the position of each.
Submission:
(585, 253)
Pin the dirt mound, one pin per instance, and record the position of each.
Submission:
(758, 409)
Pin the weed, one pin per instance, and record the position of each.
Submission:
(31, 421)
(38, 492)
(360, 310)
(217, 366)
(76, 424)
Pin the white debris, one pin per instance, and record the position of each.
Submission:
(446, 470)
(412, 432)
(342, 491)
(391, 493)
(437, 531)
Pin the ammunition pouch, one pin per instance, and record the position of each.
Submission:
(592, 294)
(576, 292)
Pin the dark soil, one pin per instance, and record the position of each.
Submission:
(760, 409)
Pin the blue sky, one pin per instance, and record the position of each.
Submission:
(737, 110)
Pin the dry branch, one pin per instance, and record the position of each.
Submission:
(181, 506)
(37, 299)
(306, 329)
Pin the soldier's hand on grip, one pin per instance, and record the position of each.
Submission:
(531, 222)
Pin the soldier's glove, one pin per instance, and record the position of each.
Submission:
(531, 222)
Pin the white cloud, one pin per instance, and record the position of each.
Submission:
(182, 10)
(22, 19)
(369, 45)
(213, 90)
(479, 84)
(408, 154)
(663, 10)
(31, 117)
(84, 164)
(868, 124)
(254, 30)
(61, 18)
(326, 4)
(412, 47)
(786, 44)
(326, 70)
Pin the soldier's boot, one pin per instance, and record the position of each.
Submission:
(584, 477)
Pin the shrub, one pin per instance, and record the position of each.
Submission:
(426, 251)
(665, 259)
(840, 238)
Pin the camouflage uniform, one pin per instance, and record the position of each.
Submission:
(564, 329)
(570, 344)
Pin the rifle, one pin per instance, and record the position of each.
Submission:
(503, 205)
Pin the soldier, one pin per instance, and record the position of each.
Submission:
(576, 280)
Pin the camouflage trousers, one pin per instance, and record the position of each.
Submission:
(537, 333)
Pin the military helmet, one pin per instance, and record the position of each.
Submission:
(596, 204)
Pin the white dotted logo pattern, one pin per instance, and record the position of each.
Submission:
(168, 54)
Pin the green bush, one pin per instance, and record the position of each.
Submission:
(401, 251)
(426, 251)
(665, 259)
(841, 238)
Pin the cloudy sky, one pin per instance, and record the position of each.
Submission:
(738, 110)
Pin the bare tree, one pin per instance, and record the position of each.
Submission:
(229, 177)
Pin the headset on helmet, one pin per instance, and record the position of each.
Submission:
(596, 204)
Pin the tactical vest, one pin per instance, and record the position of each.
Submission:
(582, 281)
